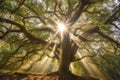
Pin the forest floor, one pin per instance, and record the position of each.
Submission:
(19, 76)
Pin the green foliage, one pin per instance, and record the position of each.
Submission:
(79, 69)
(30, 29)
(40, 34)
(109, 63)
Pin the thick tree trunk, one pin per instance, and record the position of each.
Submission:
(66, 55)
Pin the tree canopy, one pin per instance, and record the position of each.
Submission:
(29, 33)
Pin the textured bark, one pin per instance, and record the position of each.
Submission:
(66, 54)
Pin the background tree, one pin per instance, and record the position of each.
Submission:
(64, 30)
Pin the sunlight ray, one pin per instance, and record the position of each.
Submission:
(29, 64)
(47, 45)
(75, 39)
(91, 68)
(41, 66)
(55, 68)
(46, 62)
(71, 67)
(45, 65)
(53, 50)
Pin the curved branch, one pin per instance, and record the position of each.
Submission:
(35, 13)
(89, 32)
(96, 30)
(29, 35)
(84, 57)
(105, 36)
(11, 54)
(81, 7)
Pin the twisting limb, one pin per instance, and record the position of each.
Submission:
(39, 17)
(11, 54)
(90, 32)
(96, 29)
(84, 57)
(29, 35)
(81, 7)
(34, 62)
(105, 36)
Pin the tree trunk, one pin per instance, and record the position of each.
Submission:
(66, 55)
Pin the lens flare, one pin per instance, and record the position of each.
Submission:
(61, 27)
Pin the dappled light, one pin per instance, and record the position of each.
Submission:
(92, 69)
(59, 39)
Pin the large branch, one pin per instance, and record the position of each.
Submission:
(78, 12)
(96, 29)
(29, 35)
(89, 32)
(107, 37)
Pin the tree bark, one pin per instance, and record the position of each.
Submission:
(66, 55)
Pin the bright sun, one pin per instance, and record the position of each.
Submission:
(61, 27)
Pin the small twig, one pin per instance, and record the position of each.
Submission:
(18, 7)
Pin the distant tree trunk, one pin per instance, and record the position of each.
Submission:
(66, 54)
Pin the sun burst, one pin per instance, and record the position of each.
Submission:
(61, 27)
